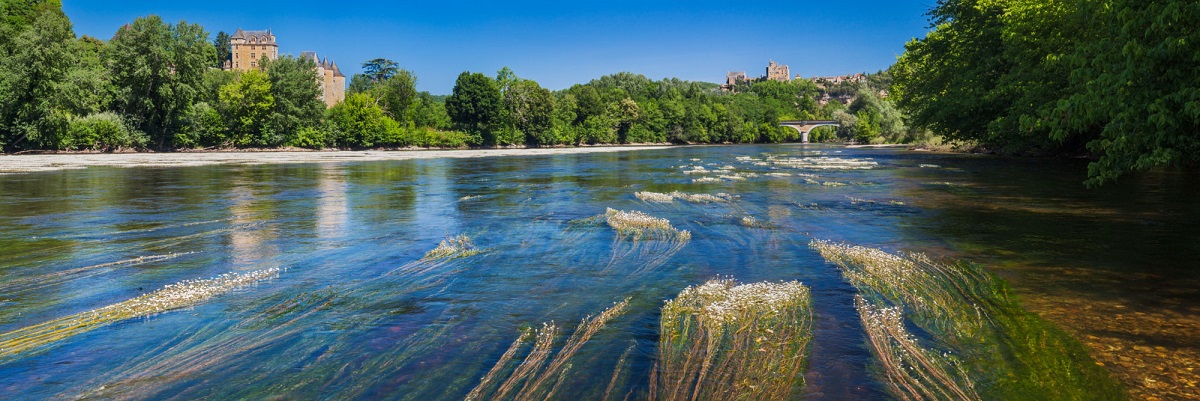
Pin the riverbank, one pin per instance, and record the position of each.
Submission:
(18, 164)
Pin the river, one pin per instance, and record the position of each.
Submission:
(351, 306)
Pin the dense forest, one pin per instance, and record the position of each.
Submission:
(155, 85)
(1118, 80)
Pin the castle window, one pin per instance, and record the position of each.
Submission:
(253, 64)
(253, 55)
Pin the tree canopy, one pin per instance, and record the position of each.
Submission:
(1114, 78)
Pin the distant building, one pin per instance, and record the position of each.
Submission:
(329, 76)
(778, 72)
(835, 80)
(247, 48)
(732, 79)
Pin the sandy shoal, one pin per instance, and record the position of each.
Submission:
(16, 164)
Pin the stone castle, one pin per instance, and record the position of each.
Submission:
(333, 83)
(248, 48)
(775, 72)
(778, 72)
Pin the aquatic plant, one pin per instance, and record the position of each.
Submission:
(279, 329)
(823, 163)
(538, 375)
(654, 197)
(452, 248)
(753, 222)
(703, 198)
(636, 225)
(657, 197)
(910, 371)
(1005, 351)
(173, 296)
(724, 341)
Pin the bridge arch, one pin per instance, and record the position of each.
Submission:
(806, 126)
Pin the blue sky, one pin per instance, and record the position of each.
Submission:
(558, 43)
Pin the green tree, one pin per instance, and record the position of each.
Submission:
(249, 103)
(224, 49)
(297, 98)
(475, 106)
(37, 65)
(359, 83)
(158, 70)
(530, 110)
(430, 112)
(397, 94)
(1136, 87)
(361, 121)
(380, 69)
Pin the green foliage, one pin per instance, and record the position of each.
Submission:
(428, 111)
(297, 98)
(224, 49)
(529, 109)
(380, 69)
(362, 122)
(1136, 87)
(397, 94)
(475, 107)
(204, 126)
(1117, 78)
(101, 131)
(248, 102)
(158, 70)
(309, 137)
(38, 64)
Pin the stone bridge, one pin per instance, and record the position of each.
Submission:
(806, 126)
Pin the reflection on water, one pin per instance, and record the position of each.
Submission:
(357, 312)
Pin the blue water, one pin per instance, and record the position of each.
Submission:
(354, 314)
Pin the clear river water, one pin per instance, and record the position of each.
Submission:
(353, 312)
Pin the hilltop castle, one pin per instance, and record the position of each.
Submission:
(775, 72)
(778, 72)
(248, 48)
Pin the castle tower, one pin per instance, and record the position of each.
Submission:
(249, 47)
(778, 72)
(330, 78)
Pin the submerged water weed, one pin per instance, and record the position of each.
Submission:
(753, 222)
(267, 337)
(451, 248)
(29, 283)
(650, 239)
(724, 341)
(656, 197)
(636, 225)
(1009, 352)
(173, 296)
(538, 376)
(910, 371)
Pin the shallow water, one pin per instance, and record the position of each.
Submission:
(355, 312)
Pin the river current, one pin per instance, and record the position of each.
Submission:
(350, 306)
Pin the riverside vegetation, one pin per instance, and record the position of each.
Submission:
(62, 92)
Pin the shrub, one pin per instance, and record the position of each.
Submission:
(101, 131)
